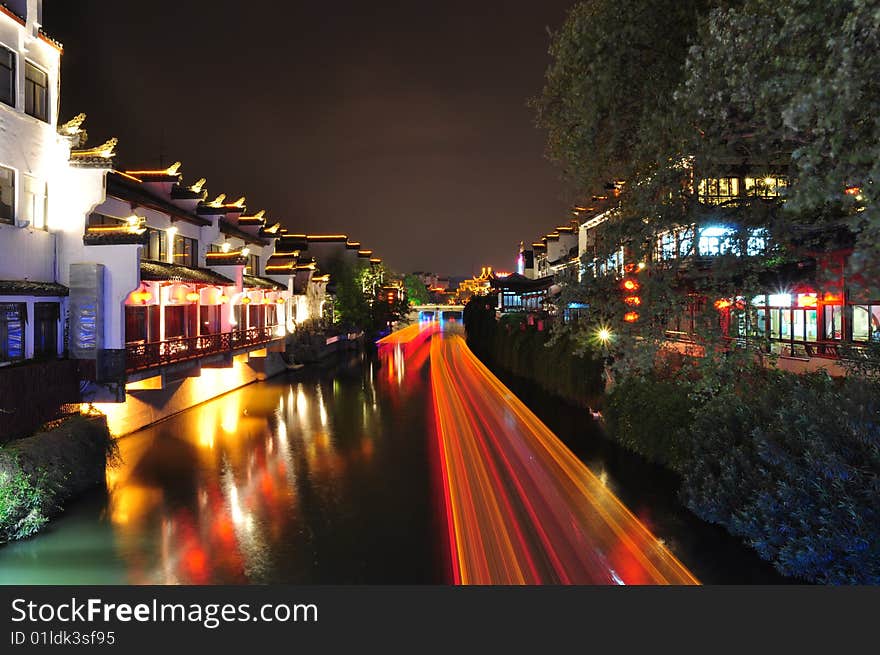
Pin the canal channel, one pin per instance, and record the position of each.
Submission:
(320, 478)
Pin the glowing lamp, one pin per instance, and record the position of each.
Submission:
(807, 300)
(192, 296)
(222, 299)
(631, 317)
(831, 298)
(604, 335)
(631, 285)
(265, 301)
(853, 190)
(633, 301)
(723, 303)
(142, 297)
(280, 301)
(245, 300)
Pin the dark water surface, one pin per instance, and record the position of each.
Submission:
(316, 479)
(319, 478)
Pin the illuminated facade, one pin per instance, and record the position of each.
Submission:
(161, 296)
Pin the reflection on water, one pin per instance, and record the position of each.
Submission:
(315, 480)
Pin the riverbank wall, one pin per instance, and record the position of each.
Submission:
(39, 473)
(158, 399)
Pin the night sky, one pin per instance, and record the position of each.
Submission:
(402, 124)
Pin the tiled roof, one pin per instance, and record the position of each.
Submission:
(127, 189)
(115, 238)
(29, 288)
(257, 282)
(160, 272)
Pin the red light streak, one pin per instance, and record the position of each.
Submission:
(519, 507)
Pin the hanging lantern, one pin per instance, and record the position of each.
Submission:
(192, 296)
(245, 300)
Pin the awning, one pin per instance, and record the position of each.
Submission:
(256, 282)
(160, 272)
(29, 288)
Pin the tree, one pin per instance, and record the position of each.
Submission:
(786, 88)
(416, 290)
(608, 95)
(797, 79)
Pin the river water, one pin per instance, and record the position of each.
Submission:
(322, 477)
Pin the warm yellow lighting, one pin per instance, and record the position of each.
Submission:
(604, 335)
(199, 185)
(192, 296)
(245, 252)
(222, 299)
(105, 151)
(226, 246)
(245, 300)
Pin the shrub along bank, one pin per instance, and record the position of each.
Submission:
(790, 463)
(524, 351)
(38, 474)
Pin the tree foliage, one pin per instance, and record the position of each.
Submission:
(416, 290)
(609, 89)
(356, 299)
(789, 463)
(778, 88)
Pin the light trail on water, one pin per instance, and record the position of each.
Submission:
(521, 508)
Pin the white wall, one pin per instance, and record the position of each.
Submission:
(29, 147)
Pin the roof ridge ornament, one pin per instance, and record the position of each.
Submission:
(105, 151)
(73, 126)
(198, 186)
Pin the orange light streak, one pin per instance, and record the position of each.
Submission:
(521, 508)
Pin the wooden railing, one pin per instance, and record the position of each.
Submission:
(141, 356)
(789, 348)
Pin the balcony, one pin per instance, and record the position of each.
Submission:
(143, 356)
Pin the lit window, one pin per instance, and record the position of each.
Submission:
(717, 190)
(866, 323)
(36, 92)
(7, 76)
(34, 202)
(685, 242)
(666, 246)
(7, 195)
(771, 186)
(716, 240)
(12, 321)
(780, 300)
(757, 242)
